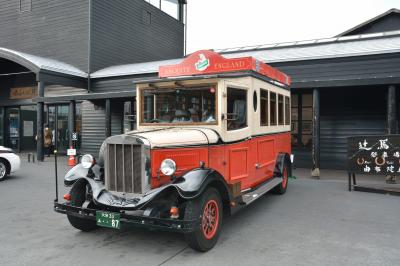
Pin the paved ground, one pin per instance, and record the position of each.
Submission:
(317, 222)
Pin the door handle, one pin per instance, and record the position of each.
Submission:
(258, 166)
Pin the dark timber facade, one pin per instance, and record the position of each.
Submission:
(48, 50)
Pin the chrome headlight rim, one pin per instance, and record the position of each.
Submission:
(87, 161)
(168, 167)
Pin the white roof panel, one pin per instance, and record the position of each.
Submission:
(368, 44)
(326, 48)
(38, 62)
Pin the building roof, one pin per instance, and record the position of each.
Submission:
(133, 69)
(370, 21)
(357, 45)
(37, 63)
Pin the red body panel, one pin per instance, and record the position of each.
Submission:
(250, 162)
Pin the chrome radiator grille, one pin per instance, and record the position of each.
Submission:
(125, 168)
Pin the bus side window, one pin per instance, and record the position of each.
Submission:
(280, 109)
(273, 107)
(264, 108)
(237, 108)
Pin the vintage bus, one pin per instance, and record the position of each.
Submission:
(213, 135)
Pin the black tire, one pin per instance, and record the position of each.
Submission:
(3, 169)
(199, 239)
(282, 187)
(78, 198)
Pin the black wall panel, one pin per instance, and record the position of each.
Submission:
(349, 71)
(134, 31)
(118, 83)
(50, 28)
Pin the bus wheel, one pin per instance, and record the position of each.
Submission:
(207, 210)
(281, 188)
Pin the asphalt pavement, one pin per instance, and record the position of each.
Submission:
(317, 222)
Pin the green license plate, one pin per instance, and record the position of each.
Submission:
(108, 219)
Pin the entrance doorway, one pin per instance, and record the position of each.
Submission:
(58, 123)
(20, 128)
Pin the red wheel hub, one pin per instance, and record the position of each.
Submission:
(210, 219)
(285, 178)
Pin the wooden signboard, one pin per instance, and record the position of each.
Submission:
(23, 93)
(377, 155)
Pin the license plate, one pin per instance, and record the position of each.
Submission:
(108, 219)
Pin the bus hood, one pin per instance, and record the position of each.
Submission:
(172, 137)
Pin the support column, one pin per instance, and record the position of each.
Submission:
(108, 118)
(391, 110)
(71, 121)
(316, 134)
(40, 123)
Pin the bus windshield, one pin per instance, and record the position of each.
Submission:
(179, 105)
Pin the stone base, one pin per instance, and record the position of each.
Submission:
(315, 173)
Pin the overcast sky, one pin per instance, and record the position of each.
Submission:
(214, 24)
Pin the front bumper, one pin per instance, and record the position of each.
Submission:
(164, 224)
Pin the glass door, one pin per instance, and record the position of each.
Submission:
(57, 121)
(12, 132)
(62, 128)
(2, 126)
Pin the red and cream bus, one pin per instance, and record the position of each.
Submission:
(213, 135)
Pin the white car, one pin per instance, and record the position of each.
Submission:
(9, 162)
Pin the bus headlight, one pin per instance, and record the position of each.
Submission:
(168, 167)
(87, 161)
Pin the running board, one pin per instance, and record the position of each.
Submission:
(252, 195)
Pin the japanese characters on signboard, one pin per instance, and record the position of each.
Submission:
(379, 155)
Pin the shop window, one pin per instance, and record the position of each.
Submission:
(171, 7)
(156, 3)
(129, 116)
(263, 107)
(280, 110)
(2, 126)
(237, 108)
(287, 110)
(25, 5)
(273, 109)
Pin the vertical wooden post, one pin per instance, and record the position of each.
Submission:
(316, 134)
(391, 110)
(71, 121)
(40, 123)
(108, 118)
